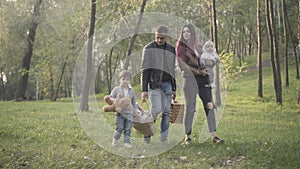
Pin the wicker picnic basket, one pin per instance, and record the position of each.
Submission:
(144, 128)
(143, 122)
(176, 112)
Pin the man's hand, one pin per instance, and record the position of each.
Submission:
(144, 96)
(174, 95)
(210, 105)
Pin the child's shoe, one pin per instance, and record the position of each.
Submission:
(147, 138)
(127, 145)
(114, 142)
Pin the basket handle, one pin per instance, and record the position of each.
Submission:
(147, 105)
(174, 101)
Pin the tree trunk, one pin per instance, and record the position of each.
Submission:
(130, 46)
(218, 101)
(89, 59)
(109, 70)
(230, 36)
(2, 84)
(274, 51)
(62, 73)
(111, 67)
(250, 42)
(22, 87)
(294, 44)
(259, 57)
(215, 26)
(37, 89)
(60, 78)
(211, 19)
(278, 89)
(298, 33)
(285, 48)
(68, 91)
(52, 92)
(270, 33)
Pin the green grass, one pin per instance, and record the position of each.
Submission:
(258, 133)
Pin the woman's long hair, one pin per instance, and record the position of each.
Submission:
(193, 41)
(181, 42)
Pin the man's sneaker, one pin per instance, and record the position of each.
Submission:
(127, 145)
(187, 141)
(114, 142)
(218, 140)
(147, 138)
(164, 141)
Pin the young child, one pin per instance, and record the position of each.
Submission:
(124, 118)
(210, 58)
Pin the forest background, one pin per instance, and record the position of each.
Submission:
(41, 40)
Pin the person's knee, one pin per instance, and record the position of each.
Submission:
(120, 129)
(127, 132)
(210, 105)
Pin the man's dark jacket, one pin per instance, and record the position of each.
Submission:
(158, 65)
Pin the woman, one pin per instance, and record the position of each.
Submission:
(196, 81)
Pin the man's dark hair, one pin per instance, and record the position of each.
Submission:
(162, 30)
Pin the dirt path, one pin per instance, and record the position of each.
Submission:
(266, 63)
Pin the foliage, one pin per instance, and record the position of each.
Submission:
(55, 41)
(62, 34)
(229, 62)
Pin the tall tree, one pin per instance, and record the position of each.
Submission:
(215, 39)
(111, 67)
(20, 95)
(298, 23)
(259, 46)
(89, 62)
(2, 84)
(285, 48)
(136, 31)
(274, 51)
(64, 65)
(294, 44)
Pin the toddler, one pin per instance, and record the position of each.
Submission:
(124, 117)
(209, 58)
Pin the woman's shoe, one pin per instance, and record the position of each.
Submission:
(218, 140)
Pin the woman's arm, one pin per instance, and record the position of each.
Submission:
(187, 68)
(192, 61)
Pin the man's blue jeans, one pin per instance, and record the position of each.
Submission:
(160, 102)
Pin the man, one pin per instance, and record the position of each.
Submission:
(158, 79)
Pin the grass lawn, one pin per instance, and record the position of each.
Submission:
(258, 134)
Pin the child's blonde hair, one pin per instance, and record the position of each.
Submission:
(209, 42)
(125, 73)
